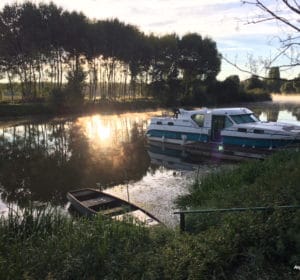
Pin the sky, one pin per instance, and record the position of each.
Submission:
(225, 21)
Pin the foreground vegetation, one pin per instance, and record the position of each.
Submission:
(255, 242)
(48, 245)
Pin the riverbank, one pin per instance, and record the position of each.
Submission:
(44, 109)
(19, 109)
(238, 246)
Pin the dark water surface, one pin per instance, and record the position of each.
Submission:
(42, 160)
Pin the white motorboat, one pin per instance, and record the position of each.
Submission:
(226, 126)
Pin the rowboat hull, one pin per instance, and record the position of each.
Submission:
(89, 202)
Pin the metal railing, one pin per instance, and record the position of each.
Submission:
(224, 210)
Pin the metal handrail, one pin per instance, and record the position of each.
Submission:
(223, 210)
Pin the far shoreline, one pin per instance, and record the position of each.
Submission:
(19, 111)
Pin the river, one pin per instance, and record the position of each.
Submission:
(42, 159)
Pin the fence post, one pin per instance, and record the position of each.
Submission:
(182, 221)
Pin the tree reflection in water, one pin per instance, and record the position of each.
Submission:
(41, 162)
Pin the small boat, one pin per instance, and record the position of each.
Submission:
(234, 127)
(89, 202)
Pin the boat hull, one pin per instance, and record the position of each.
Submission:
(178, 137)
(259, 142)
(79, 207)
(183, 138)
(89, 202)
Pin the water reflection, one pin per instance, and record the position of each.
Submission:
(175, 159)
(278, 110)
(43, 160)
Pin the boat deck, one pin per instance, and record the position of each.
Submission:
(97, 201)
(114, 210)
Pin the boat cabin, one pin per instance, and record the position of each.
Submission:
(216, 120)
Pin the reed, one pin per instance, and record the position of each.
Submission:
(43, 243)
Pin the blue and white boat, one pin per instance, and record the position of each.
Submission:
(226, 126)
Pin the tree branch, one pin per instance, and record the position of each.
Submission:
(239, 68)
(286, 2)
(259, 76)
(275, 16)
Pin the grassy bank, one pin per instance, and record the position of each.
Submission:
(41, 107)
(254, 243)
(47, 245)
(32, 109)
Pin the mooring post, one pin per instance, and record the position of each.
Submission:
(182, 221)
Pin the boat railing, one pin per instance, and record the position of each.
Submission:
(166, 114)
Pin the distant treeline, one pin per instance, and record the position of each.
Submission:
(275, 83)
(48, 52)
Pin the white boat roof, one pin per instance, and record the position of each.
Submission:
(217, 111)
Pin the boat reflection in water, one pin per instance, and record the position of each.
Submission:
(171, 157)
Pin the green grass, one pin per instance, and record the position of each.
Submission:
(275, 181)
(44, 244)
(255, 241)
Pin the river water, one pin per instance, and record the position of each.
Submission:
(42, 159)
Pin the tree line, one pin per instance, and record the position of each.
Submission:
(48, 50)
(276, 84)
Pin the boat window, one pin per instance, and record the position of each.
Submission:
(258, 131)
(242, 129)
(170, 123)
(254, 118)
(228, 122)
(159, 123)
(245, 118)
(199, 119)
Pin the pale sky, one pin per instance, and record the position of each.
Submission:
(225, 21)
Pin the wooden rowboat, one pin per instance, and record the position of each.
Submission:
(90, 202)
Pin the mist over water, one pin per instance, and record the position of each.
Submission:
(286, 98)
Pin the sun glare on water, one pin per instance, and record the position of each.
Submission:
(111, 131)
(96, 130)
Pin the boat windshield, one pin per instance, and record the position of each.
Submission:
(245, 118)
(199, 119)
